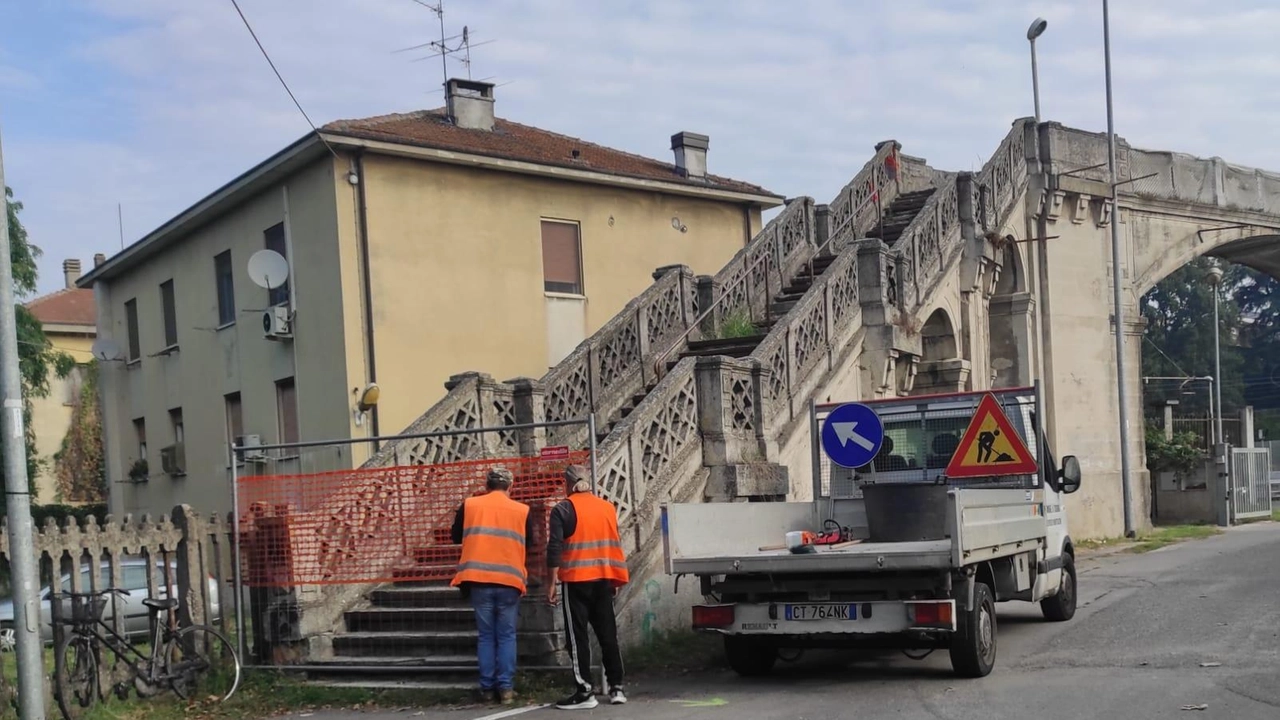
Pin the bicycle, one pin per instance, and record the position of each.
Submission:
(195, 660)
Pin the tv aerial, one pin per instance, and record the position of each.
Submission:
(268, 269)
(107, 350)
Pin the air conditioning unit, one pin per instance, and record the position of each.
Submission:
(173, 459)
(277, 323)
(246, 445)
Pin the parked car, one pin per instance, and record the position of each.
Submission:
(133, 572)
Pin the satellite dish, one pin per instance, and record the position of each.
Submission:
(106, 349)
(268, 269)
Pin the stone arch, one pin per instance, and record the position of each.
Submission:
(1260, 252)
(942, 369)
(1010, 323)
(1013, 274)
(938, 337)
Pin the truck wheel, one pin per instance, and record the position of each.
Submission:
(973, 646)
(749, 657)
(1062, 606)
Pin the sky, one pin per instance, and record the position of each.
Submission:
(152, 104)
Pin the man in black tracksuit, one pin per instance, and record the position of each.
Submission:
(584, 553)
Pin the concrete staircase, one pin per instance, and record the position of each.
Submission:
(424, 633)
(726, 418)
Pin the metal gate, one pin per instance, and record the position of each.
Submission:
(1251, 481)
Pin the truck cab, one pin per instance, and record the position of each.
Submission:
(909, 550)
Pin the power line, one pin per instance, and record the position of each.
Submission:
(1165, 354)
(280, 77)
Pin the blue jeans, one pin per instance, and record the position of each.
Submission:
(497, 610)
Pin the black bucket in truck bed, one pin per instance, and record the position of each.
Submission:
(905, 512)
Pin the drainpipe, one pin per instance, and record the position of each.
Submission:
(362, 214)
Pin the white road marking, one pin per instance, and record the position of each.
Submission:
(513, 712)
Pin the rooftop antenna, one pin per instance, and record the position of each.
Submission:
(441, 48)
(120, 223)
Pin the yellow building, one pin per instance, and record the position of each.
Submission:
(68, 318)
(419, 245)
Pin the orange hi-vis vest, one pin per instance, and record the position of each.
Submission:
(594, 550)
(493, 541)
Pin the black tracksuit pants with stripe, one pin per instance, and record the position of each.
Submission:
(590, 604)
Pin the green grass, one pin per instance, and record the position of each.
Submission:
(264, 693)
(1153, 539)
(1165, 536)
(1275, 515)
(737, 324)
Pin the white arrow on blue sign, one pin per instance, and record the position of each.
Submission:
(852, 435)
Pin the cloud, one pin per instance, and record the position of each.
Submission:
(156, 103)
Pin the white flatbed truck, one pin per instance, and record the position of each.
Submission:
(927, 556)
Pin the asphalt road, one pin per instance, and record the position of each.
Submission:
(1134, 650)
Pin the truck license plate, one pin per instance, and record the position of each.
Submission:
(826, 611)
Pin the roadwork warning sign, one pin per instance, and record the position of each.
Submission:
(990, 446)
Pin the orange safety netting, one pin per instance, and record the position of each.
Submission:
(388, 524)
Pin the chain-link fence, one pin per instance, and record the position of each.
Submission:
(921, 435)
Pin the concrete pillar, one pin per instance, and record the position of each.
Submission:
(1246, 426)
(1168, 422)
(731, 422)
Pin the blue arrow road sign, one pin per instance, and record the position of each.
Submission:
(852, 435)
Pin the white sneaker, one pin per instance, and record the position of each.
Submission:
(578, 701)
(617, 697)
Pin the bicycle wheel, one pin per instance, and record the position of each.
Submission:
(201, 663)
(76, 686)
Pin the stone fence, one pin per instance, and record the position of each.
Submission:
(187, 554)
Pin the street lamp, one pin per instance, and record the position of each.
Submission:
(1036, 30)
(1116, 278)
(1214, 278)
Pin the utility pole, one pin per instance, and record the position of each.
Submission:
(1118, 297)
(22, 556)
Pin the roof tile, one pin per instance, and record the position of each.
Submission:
(72, 306)
(513, 141)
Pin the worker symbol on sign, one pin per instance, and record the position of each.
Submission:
(990, 446)
(987, 447)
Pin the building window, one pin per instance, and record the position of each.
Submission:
(235, 416)
(287, 410)
(131, 326)
(274, 237)
(561, 257)
(140, 431)
(226, 288)
(175, 419)
(170, 314)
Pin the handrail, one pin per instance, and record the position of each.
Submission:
(875, 195)
(726, 293)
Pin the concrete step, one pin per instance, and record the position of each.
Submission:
(434, 644)
(426, 595)
(460, 683)
(381, 619)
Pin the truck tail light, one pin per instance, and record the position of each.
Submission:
(712, 616)
(932, 615)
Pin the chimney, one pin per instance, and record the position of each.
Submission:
(98, 259)
(691, 153)
(71, 271)
(470, 103)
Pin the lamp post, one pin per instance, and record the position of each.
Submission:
(1214, 278)
(1117, 287)
(1036, 30)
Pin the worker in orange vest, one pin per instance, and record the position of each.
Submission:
(493, 530)
(584, 552)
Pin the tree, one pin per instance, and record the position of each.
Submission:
(37, 358)
(1179, 337)
(80, 464)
